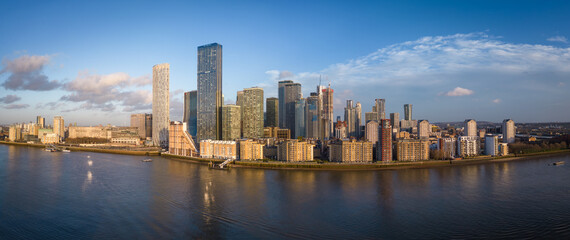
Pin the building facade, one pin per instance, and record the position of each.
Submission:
(300, 129)
(352, 117)
(289, 93)
(470, 128)
(384, 145)
(180, 142)
(231, 122)
(468, 146)
(313, 116)
(491, 145)
(191, 111)
(250, 150)
(143, 122)
(412, 150)
(371, 132)
(252, 112)
(327, 126)
(380, 108)
(59, 127)
(508, 129)
(218, 149)
(448, 146)
(272, 113)
(210, 100)
(424, 129)
(350, 151)
(160, 104)
(294, 151)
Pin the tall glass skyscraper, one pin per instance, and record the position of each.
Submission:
(408, 112)
(160, 104)
(281, 107)
(210, 98)
(191, 111)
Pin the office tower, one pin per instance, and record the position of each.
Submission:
(350, 151)
(491, 145)
(160, 104)
(209, 92)
(423, 129)
(384, 145)
(252, 112)
(468, 146)
(180, 142)
(191, 111)
(281, 107)
(395, 120)
(313, 116)
(408, 112)
(300, 130)
(41, 121)
(358, 120)
(143, 123)
(380, 106)
(272, 113)
(508, 129)
(326, 125)
(470, 127)
(352, 117)
(371, 132)
(231, 122)
(289, 92)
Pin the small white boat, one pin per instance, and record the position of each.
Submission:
(66, 150)
(147, 160)
(558, 163)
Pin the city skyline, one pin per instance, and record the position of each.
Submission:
(477, 61)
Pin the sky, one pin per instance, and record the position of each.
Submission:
(91, 61)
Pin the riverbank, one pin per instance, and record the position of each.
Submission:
(88, 149)
(370, 166)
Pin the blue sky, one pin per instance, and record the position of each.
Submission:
(91, 62)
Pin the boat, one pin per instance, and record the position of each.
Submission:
(558, 163)
(212, 165)
(49, 150)
(147, 160)
(66, 150)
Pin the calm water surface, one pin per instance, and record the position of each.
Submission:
(94, 195)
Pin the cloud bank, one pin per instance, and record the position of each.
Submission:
(458, 91)
(25, 73)
(561, 39)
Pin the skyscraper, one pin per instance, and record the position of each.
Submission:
(252, 112)
(300, 129)
(408, 112)
(470, 127)
(160, 104)
(395, 120)
(272, 106)
(143, 122)
(423, 129)
(508, 129)
(281, 97)
(327, 126)
(41, 121)
(380, 105)
(312, 116)
(352, 117)
(231, 122)
(210, 100)
(289, 92)
(191, 111)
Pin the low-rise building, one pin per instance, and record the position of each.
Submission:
(412, 150)
(294, 151)
(503, 149)
(350, 151)
(218, 149)
(49, 138)
(250, 150)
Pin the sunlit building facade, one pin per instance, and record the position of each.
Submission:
(210, 100)
(160, 104)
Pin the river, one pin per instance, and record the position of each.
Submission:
(84, 195)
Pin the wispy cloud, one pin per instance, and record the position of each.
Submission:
(561, 39)
(16, 106)
(106, 92)
(25, 73)
(459, 91)
(9, 99)
(496, 100)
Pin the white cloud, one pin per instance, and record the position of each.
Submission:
(25, 73)
(561, 39)
(459, 91)
(497, 100)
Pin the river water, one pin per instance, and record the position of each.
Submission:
(94, 195)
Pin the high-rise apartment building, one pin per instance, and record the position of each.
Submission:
(468, 146)
(143, 123)
(59, 127)
(371, 132)
(508, 129)
(384, 145)
(231, 122)
(491, 145)
(160, 104)
(448, 146)
(300, 129)
(380, 107)
(281, 96)
(250, 150)
(252, 112)
(370, 116)
(470, 128)
(313, 116)
(191, 111)
(326, 125)
(41, 121)
(408, 112)
(352, 117)
(412, 150)
(423, 129)
(294, 151)
(272, 113)
(351, 151)
(210, 99)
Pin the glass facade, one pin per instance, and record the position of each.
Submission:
(210, 100)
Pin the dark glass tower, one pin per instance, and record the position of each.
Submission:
(210, 100)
